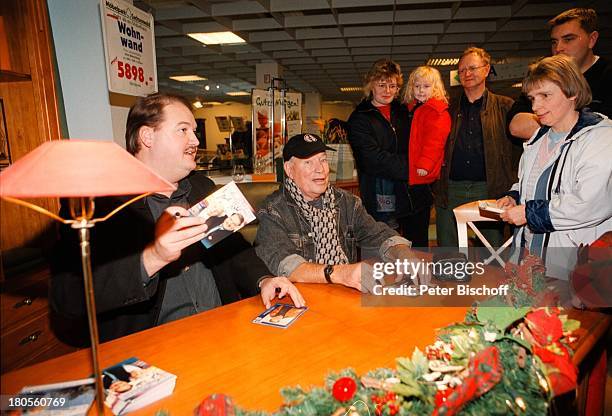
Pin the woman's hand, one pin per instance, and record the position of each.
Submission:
(506, 202)
(422, 172)
(514, 215)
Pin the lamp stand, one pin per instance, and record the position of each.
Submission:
(82, 211)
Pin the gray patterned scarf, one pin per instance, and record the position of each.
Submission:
(323, 223)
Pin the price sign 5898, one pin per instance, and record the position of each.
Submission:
(126, 70)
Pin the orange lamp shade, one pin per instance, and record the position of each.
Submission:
(79, 168)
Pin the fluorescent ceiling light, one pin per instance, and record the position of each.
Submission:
(188, 78)
(517, 85)
(442, 61)
(237, 93)
(213, 103)
(350, 89)
(216, 38)
(198, 104)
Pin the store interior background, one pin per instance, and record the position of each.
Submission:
(317, 46)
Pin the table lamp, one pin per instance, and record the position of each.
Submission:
(80, 170)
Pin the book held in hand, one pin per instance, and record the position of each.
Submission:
(226, 211)
(280, 315)
(490, 207)
(132, 384)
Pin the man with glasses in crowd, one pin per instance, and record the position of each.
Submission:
(379, 129)
(572, 33)
(480, 160)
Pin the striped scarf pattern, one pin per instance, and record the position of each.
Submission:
(323, 223)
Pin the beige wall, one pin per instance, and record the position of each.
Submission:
(213, 135)
(120, 107)
(340, 111)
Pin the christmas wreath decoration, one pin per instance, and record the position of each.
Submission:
(501, 360)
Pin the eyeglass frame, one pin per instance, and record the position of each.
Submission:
(384, 86)
(470, 68)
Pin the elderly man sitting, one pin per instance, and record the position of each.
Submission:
(310, 230)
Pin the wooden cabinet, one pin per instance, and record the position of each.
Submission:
(26, 334)
(27, 92)
(30, 117)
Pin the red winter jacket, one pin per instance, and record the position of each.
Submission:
(428, 133)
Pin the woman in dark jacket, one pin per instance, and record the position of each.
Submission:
(378, 133)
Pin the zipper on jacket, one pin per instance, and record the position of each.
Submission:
(390, 124)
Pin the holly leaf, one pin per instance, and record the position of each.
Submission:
(406, 390)
(409, 371)
(415, 366)
(501, 317)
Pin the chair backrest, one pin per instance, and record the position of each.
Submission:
(466, 215)
(255, 193)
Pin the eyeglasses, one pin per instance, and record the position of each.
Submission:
(385, 86)
(470, 69)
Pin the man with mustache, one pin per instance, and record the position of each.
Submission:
(149, 266)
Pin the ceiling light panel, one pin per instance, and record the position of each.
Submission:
(216, 38)
(188, 78)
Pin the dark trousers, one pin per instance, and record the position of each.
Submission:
(459, 193)
(415, 227)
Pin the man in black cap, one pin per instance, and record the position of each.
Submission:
(309, 230)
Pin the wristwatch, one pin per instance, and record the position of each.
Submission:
(327, 271)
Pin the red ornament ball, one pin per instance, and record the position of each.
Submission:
(344, 389)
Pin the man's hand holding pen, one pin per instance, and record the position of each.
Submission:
(175, 229)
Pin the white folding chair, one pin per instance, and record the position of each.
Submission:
(469, 213)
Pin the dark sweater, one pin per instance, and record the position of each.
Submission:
(124, 305)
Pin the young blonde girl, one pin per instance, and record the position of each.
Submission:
(427, 103)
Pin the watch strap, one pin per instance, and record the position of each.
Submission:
(327, 271)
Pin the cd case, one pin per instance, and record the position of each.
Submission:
(225, 211)
(280, 315)
(490, 207)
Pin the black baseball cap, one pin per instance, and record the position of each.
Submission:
(303, 146)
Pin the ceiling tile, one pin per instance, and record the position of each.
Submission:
(256, 24)
(309, 21)
(279, 46)
(269, 36)
(317, 33)
(324, 43)
(330, 52)
(289, 5)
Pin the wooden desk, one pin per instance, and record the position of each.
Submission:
(221, 351)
